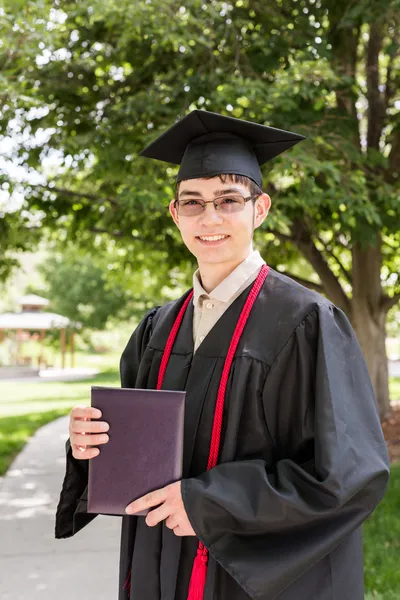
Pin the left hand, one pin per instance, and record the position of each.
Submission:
(172, 509)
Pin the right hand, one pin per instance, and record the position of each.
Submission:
(85, 434)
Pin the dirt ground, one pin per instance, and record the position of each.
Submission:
(391, 431)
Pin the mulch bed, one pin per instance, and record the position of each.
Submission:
(391, 431)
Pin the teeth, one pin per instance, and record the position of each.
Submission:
(212, 238)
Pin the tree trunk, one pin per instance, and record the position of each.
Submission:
(368, 316)
(371, 334)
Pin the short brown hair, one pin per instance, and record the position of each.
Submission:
(232, 178)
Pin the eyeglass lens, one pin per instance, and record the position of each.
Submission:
(224, 204)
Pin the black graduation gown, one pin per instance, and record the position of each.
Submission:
(302, 462)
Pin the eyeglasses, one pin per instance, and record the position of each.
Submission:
(225, 204)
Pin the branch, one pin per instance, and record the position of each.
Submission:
(376, 108)
(345, 41)
(390, 88)
(303, 240)
(281, 236)
(79, 195)
(388, 302)
(343, 269)
(317, 287)
(394, 156)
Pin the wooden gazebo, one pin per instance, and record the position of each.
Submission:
(33, 318)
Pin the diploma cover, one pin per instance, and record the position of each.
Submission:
(145, 449)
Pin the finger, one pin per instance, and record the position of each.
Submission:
(80, 426)
(84, 453)
(90, 439)
(85, 412)
(179, 532)
(148, 501)
(157, 515)
(172, 522)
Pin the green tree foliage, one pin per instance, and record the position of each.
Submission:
(78, 289)
(16, 235)
(91, 290)
(91, 83)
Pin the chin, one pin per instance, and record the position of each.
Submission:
(214, 258)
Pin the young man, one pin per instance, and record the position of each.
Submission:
(284, 456)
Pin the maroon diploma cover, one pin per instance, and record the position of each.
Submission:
(145, 449)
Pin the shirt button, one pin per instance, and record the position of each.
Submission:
(202, 337)
(209, 305)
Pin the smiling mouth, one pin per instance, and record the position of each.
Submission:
(212, 238)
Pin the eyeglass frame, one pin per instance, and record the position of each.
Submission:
(204, 202)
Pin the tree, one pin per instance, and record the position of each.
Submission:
(90, 288)
(108, 77)
(78, 289)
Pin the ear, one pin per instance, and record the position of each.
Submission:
(174, 212)
(261, 209)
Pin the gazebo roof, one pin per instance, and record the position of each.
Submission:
(33, 320)
(33, 300)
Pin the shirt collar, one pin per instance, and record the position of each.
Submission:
(231, 284)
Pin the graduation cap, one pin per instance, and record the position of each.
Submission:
(205, 143)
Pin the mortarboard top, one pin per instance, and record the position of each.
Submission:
(205, 143)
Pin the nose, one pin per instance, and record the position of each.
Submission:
(211, 215)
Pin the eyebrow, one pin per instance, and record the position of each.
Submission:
(216, 193)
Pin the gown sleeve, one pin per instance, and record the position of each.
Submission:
(71, 514)
(266, 525)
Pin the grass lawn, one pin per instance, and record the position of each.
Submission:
(394, 388)
(382, 545)
(24, 407)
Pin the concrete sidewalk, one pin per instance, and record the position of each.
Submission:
(33, 564)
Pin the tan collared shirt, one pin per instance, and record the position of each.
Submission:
(208, 308)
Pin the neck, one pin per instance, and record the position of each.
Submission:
(212, 274)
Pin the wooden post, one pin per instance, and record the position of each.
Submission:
(19, 346)
(62, 343)
(72, 347)
(41, 354)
